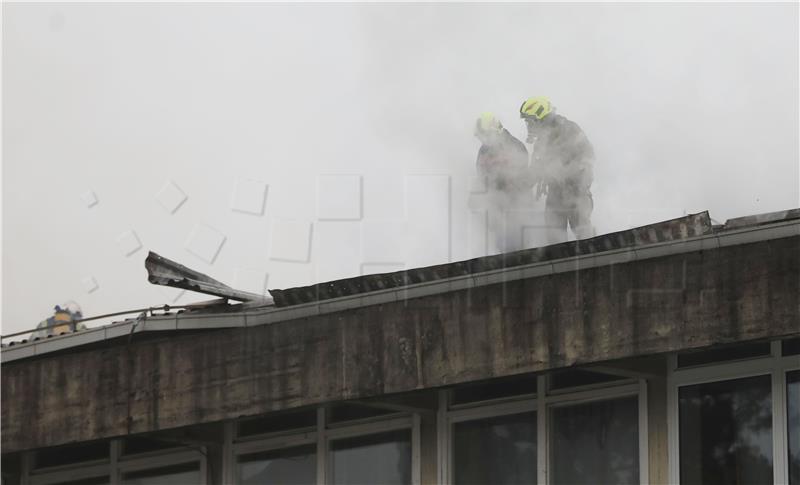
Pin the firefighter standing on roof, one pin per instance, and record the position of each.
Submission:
(503, 164)
(561, 165)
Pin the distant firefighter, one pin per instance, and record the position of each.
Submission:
(562, 162)
(64, 320)
(503, 164)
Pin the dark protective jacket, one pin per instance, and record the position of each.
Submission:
(563, 158)
(504, 163)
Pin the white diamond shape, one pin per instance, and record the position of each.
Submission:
(252, 280)
(339, 197)
(171, 197)
(89, 284)
(291, 241)
(89, 198)
(205, 242)
(128, 242)
(249, 196)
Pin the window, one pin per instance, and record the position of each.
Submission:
(291, 466)
(143, 444)
(736, 421)
(592, 435)
(72, 454)
(272, 423)
(577, 377)
(176, 474)
(727, 353)
(793, 424)
(499, 450)
(383, 458)
(596, 442)
(494, 389)
(726, 432)
(87, 481)
(349, 412)
(350, 443)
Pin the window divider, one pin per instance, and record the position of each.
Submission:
(114, 454)
(644, 435)
(542, 435)
(322, 446)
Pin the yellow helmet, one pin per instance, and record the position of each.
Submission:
(537, 107)
(487, 123)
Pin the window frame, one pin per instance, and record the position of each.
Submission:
(541, 403)
(774, 365)
(115, 466)
(321, 436)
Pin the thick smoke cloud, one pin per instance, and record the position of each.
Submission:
(688, 107)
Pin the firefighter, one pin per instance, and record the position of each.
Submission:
(503, 164)
(561, 167)
(66, 318)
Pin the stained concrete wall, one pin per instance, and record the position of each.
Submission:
(677, 302)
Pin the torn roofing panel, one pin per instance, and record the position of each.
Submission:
(163, 271)
(693, 225)
(759, 219)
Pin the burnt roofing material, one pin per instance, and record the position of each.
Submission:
(693, 225)
(163, 271)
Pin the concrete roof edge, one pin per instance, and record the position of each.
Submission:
(254, 317)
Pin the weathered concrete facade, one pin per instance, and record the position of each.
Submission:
(683, 301)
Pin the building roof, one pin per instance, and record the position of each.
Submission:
(689, 233)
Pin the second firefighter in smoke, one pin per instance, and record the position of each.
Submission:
(503, 166)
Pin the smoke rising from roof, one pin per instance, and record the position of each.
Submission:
(688, 107)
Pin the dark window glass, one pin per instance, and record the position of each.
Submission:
(349, 412)
(596, 443)
(575, 377)
(790, 347)
(495, 389)
(383, 458)
(726, 432)
(87, 481)
(499, 450)
(185, 474)
(291, 466)
(67, 455)
(142, 444)
(723, 354)
(793, 405)
(282, 421)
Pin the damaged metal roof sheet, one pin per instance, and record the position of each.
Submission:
(760, 219)
(689, 226)
(163, 271)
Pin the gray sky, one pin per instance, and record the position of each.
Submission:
(304, 143)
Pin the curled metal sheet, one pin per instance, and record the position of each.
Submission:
(165, 272)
